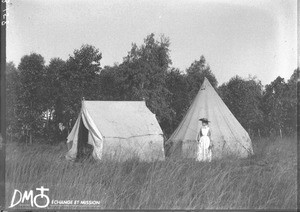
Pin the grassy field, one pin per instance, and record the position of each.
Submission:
(268, 180)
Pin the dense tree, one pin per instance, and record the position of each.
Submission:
(55, 85)
(177, 84)
(54, 93)
(12, 90)
(243, 98)
(143, 75)
(293, 89)
(111, 83)
(196, 73)
(80, 79)
(279, 105)
(273, 104)
(48, 95)
(31, 98)
(40, 97)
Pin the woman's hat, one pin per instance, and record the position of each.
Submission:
(204, 120)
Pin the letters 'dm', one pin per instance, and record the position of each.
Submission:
(29, 196)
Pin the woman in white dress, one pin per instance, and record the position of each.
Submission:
(204, 142)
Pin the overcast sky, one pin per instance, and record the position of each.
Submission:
(257, 38)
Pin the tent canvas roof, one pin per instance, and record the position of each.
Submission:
(226, 130)
(122, 119)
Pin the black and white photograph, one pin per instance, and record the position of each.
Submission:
(150, 104)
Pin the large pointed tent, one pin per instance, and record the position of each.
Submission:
(228, 135)
(118, 130)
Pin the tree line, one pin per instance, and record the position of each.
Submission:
(40, 96)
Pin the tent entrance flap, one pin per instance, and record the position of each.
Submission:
(82, 145)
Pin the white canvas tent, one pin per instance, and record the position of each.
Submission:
(118, 130)
(228, 135)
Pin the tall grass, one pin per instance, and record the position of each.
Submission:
(264, 181)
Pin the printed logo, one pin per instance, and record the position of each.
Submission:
(40, 200)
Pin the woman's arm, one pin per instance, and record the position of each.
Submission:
(199, 135)
(209, 133)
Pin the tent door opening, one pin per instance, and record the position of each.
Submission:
(84, 150)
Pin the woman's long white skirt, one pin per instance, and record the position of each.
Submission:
(204, 153)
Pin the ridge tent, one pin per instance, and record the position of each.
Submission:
(118, 130)
(227, 134)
